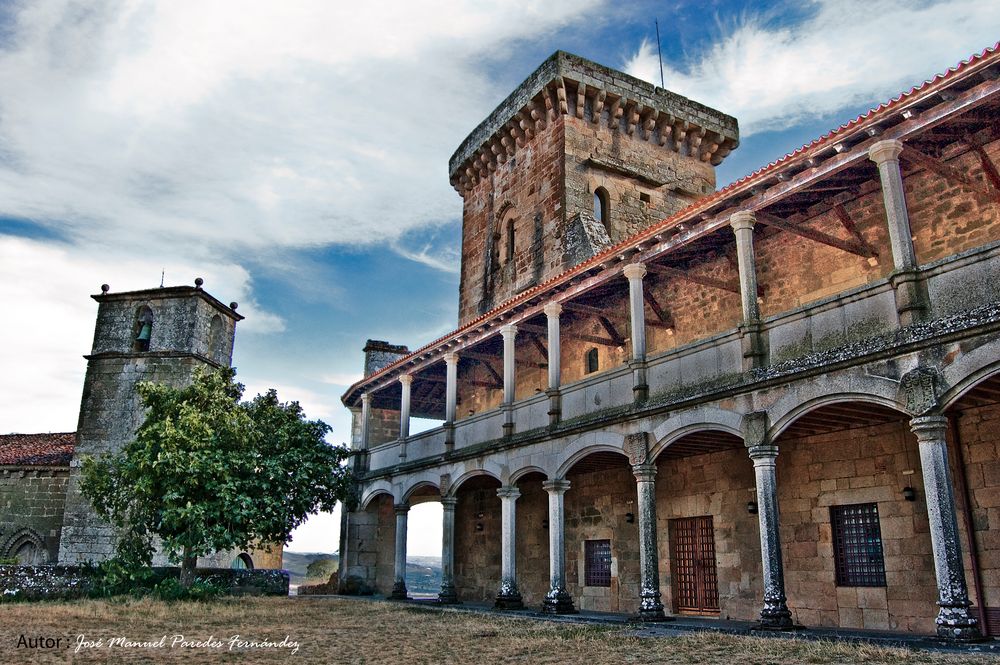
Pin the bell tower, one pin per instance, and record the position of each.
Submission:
(159, 335)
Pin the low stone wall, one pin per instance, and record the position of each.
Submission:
(63, 582)
(330, 586)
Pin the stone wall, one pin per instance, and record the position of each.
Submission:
(32, 502)
(532, 540)
(477, 551)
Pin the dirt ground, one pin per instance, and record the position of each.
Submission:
(330, 630)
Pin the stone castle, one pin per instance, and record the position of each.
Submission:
(778, 401)
(159, 335)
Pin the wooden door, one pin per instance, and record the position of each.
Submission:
(696, 584)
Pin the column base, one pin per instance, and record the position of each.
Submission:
(558, 601)
(775, 616)
(448, 596)
(399, 592)
(911, 296)
(955, 624)
(509, 602)
(449, 437)
(651, 609)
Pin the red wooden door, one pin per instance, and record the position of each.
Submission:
(696, 584)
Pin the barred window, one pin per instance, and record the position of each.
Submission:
(857, 545)
(597, 562)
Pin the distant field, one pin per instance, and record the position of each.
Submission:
(332, 630)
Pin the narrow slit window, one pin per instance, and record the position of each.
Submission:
(601, 211)
(510, 240)
(597, 562)
(857, 545)
(592, 361)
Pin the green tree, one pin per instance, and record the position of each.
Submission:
(321, 569)
(207, 472)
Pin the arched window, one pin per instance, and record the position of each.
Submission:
(592, 361)
(602, 211)
(510, 239)
(27, 547)
(242, 562)
(215, 338)
(143, 329)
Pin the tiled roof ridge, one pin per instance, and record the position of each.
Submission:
(37, 449)
(990, 51)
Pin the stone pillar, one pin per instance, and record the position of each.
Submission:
(557, 600)
(509, 332)
(366, 414)
(552, 312)
(450, 399)
(634, 272)
(751, 331)
(404, 413)
(650, 607)
(508, 598)
(448, 594)
(954, 620)
(399, 583)
(775, 614)
(911, 296)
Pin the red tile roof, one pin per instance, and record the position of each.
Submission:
(37, 449)
(744, 183)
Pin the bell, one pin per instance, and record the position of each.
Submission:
(145, 332)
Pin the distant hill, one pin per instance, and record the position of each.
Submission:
(423, 573)
(297, 562)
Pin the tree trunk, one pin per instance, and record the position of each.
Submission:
(188, 564)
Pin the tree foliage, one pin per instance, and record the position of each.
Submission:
(207, 472)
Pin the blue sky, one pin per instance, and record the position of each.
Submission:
(296, 157)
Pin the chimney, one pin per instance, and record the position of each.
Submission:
(379, 354)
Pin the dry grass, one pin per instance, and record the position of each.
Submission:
(352, 631)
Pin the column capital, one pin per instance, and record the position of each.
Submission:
(401, 508)
(634, 271)
(366, 399)
(406, 379)
(509, 331)
(644, 472)
(743, 219)
(929, 428)
(451, 358)
(509, 492)
(552, 309)
(449, 502)
(885, 151)
(558, 486)
(763, 454)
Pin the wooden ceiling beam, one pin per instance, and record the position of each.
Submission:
(947, 171)
(851, 246)
(593, 339)
(731, 286)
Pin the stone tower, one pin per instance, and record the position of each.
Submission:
(159, 335)
(576, 159)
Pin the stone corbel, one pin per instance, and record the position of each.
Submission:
(754, 427)
(637, 448)
(920, 389)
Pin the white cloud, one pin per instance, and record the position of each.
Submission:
(45, 289)
(848, 52)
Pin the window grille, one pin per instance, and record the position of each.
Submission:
(857, 545)
(597, 562)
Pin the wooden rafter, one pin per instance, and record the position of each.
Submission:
(989, 168)
(852, 246)
(850, 227)
(663, 319)
(485, 361)
(732, 286)
(946, 171)
(593, 339)
(601, 316)
(537, 343)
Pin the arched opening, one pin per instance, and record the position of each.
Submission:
(602, 533)
(243, 561)
(423, 542)
(510, 241)
(711, 563)
(592, 361)
(215, 339)
(477, 539)
(602, 209)
(973, 423)
(853, 521)
(27, 548)
(142, 332)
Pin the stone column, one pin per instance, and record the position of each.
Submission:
(448, 594)
(508, 598)
(634, 272)
(557, 600)
(775, 614)
(751, 331)
(509, 332)
(552, 311)
(650, 607)
(366, 414)
(954, 620)
(399, 583)
(404, 413)
(910, 291)
(450, 399)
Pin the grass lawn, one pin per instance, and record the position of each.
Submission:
(351, 631)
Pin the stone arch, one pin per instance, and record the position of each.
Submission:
(803, 408)
(26, 538)
(964, 375)
(693, 420)
(586, 444)
(377, 488)
(416, 487)
(523, 471)
(468, 475)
